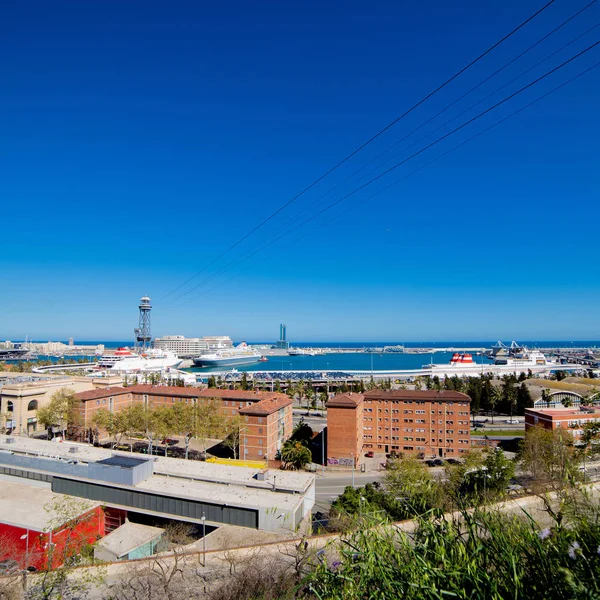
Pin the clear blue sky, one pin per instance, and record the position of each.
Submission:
(138, 140)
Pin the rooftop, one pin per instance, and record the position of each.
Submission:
(267, 406)
(347, 400)
(429, 395)
(230, 484)
(128, 537)
(103, 393)
(22, 507)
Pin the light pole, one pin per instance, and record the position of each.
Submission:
(323, 449)
(353, 462)
(26, 537)
(203, 540)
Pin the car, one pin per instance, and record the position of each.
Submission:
(430, 463)
(370, 454)
(478, 425)
(513, 421)
(438, 462)
(170, 442)
(453, 461)
(9, 566)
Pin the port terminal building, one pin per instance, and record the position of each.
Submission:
(127, 484)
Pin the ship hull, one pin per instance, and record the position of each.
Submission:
(230, 361)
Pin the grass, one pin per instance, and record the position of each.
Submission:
(501, 432)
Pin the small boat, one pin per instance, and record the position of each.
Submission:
(263, 359)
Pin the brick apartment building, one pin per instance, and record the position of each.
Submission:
(267, 415)
(569, 419)
(434, 423)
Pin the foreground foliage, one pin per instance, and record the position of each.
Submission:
(481, 555)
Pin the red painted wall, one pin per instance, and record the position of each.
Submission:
(68, 540)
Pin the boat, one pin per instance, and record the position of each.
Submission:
(263, 359)
(516, 359)
(242, 354)
(123, 360)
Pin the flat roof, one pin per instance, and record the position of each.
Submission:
(25, 506)
(128, 537)
(236, 482)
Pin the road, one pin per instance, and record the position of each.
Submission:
(329, 487)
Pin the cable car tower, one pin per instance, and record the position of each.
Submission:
(143, 336)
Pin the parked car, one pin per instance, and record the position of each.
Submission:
(513, 421)
(370, 454)
(478, 425)
(430, 462)
(438, 462)
(9, 566)
(453, 461)
(170, 442)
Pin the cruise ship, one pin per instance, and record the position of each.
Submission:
(240, 355)
(519, 359)
(126, 361)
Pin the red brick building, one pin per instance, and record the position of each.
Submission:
(267, 415)
(429, 422)
(568, 419)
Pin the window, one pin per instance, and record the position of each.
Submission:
(32, 405)
(260, 420)
(103, 400)
(9, 406)
(260, 453)
(110, 404)
(260, 430)
(260, 442)
(97, 403)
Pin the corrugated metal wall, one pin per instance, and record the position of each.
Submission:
(175, 507)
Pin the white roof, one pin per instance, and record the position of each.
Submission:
(128, 537)
(25, 506)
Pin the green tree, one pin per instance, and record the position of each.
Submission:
(234, 427)
(408, 481)
(549, 458)
(524, 399)
(295, 455)
(324, 398)
(244, 383)
(62, 411)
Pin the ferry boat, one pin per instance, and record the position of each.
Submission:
(240, 355)
(125, 361)
(519, 359)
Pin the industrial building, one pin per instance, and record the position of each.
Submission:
(186, 347)
(267, 415)
(171, 488)
(38, 535)
(429, 423)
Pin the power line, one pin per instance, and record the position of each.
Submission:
(415, 154)
(361, 147)
(356, 172)
(424, 166)
(397, 181)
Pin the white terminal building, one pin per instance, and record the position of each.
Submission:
(183, 346)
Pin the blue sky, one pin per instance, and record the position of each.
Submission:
(139, 140)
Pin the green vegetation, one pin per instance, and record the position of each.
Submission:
(484, 554)
(62, 411)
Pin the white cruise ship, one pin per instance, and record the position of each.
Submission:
(240, 355)
(520, 359)
(126, 361)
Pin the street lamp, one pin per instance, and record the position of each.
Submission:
(353, 463)
(26, 537)
(203, 519)
(323, 449)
